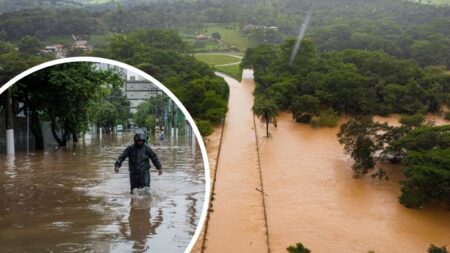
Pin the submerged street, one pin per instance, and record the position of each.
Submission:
(310, 195)
(70, 200)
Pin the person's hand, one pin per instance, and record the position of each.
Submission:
(159, 172)
(116, 169)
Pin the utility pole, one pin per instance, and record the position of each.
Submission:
(9, 124)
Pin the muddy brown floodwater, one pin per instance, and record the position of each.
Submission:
(310, 195)
(69, 200)
(236, 223)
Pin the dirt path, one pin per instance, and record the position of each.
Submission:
(237, 223)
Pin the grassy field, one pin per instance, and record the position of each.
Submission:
(230, 35)
(232, 70)
(217, 59)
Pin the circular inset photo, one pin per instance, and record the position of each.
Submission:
(98, 156)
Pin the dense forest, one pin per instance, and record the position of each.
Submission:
(402, 29)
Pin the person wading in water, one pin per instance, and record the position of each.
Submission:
(139, 156)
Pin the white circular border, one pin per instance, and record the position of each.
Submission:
(165, 90)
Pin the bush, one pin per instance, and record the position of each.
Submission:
(415, 120)
(204, 127)
(298, 248)
(435, 249)
(327, 118)
(447, 116)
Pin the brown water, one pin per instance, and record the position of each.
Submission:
(310, 194)
(69, 200)
(236, 222)
(312, 198)
(393, 119)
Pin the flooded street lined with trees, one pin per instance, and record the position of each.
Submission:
(236, 221)
(310, 195)
(70, 199)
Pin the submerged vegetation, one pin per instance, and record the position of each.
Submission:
(300, 248)
(422, 149)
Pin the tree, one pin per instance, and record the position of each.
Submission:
(13, 62)
(428, 178)
(30, 45)
(151, 110)
(204, 127)
(362, 138)
(62, 94)
(259, 58)
(298, 248)
(412, 121)
(110, 109)
(304, 107)
(216, 36)
(267, 110)
(436, 249)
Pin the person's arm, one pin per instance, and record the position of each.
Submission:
(155, 160)
(121, 158)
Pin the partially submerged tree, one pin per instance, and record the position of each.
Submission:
(362, 138)
(150, 111)
(436, 249)
(266, 110)
(298, 248)
(110, 109)
(304, 107)
(62, 95)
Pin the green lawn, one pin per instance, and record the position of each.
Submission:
(232, 70)
(217, 59)
(230, 35)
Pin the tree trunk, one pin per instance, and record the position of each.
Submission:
(62, 142)
(75, 138)
(37, 131)
(55, 135)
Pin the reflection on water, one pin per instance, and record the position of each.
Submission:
(70, 200)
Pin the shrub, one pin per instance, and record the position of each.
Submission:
(435, 249)
(204, 127)
(326, 118)
(298, 248)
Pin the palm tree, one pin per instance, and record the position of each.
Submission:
(267, 111)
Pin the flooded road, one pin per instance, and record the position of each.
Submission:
(310, 195)
(236, 223)
(71, 200)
